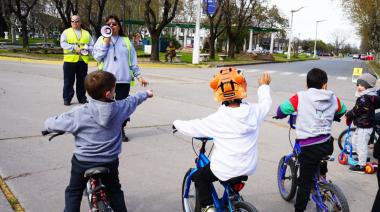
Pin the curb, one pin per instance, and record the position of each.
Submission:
(12, 200)
(259, 63)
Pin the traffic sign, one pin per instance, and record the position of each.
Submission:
(356, 73)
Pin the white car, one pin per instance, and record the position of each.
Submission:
(355, 56)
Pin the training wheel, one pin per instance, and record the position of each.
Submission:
(343, 159)
(369, 168)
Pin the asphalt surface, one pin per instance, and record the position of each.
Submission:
(153, 163)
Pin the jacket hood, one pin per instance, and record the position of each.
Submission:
(241, 119)
(321, 99)
(368, 91)
(102, 112)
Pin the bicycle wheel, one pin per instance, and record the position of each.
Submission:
(191, 203)
(333, 198)
(342, 137)
(242, 206)
(287, 179)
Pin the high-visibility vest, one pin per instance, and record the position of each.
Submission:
(128, 44)
(71, 37)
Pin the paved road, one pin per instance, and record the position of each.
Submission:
(152, 165)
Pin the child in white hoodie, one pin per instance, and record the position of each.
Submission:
(234, 128)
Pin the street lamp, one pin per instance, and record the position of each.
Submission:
(291, 28)
(315, 42)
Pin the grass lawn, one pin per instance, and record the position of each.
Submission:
(300, 57)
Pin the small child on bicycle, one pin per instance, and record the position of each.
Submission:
(234, 128)
(96, 128)
(316, 109)
(363, 117)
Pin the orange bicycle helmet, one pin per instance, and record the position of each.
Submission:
(229, 84)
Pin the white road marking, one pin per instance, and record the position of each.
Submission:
(286, 73)
(342, 78)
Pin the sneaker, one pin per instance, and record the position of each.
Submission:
(124, 138)
(83, 101)
(357, 169)
(209, 208)
(67, 103)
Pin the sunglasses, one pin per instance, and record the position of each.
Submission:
(74, 21)
(112, 24)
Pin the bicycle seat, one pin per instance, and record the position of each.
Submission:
(235, 180)
(203, 138)
(96, 170)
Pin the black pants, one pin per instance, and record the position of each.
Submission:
(71, 71)
(74, 191)
(203, 179)
(309, 160)
(122, 92)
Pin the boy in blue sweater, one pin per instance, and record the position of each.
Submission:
(96, 127)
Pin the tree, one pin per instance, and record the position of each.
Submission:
(366, 14)
(214, 21)
(21, 9)
(66, 8)
(95, 13)
(237, 16)
(155, 26)
(339, 40)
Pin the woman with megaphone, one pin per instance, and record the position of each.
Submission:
(116, 54)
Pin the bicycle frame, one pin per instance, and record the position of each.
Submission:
(344, 150)
(201, 161)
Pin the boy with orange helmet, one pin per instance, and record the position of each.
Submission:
(234, 128)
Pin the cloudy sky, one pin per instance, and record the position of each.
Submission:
(304, 20)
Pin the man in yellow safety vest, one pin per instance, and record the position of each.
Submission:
(76, 43)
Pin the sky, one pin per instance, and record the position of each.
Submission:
(304, 21)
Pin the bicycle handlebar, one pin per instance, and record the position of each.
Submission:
(55, 134)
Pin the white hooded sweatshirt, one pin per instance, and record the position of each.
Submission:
(235, 132)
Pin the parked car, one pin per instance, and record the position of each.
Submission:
(355, 56)
(363, 57)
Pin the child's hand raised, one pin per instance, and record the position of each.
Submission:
(150, 93)
(264, 79)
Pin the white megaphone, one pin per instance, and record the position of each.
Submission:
(84, 51)
(106, 31)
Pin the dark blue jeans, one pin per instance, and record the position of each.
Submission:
(74, 191)
(71, 71)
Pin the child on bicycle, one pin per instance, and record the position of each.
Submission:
(96, 128)
(363, 116)
(316, 109)
(234, 128)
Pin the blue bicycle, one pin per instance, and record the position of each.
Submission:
(326, 195)
(231, 199)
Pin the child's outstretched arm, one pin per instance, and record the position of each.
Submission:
(288, 107)
(63, 123)
(264, 97)
(197, 127)
(132, 101)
